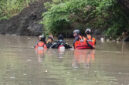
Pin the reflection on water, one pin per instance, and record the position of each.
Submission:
(40, 52)
(85, 57)
(21, 64)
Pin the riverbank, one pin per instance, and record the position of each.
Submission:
(25, 23)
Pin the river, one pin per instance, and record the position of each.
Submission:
(20, 64)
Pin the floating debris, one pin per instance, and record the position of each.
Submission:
(12, 77)
(29, 60)
(24, 74)
(46, 70)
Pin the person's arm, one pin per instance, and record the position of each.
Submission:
(89, 44)
(54, 45)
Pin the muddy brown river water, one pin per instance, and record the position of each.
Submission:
(20, 64)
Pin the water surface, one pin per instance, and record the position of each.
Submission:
(20, 64)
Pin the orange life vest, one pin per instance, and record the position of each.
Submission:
(85, 42)
(91, 41)
(80, 44)
(41, 44)
(40, 48)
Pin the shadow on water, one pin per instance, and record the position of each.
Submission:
(21, 64)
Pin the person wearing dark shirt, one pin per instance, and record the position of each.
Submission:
(60, 42)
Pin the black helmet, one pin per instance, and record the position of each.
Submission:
(88, 31)
(60, 37)
(76, 31)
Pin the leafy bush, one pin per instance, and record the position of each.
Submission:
(9, 8)
(98, 14)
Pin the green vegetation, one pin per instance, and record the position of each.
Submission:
(63, 15)
(9, 8)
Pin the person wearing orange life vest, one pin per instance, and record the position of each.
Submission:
(76, 34)
(41, 48)
(79, 41)
(90, 40)
(41, 43)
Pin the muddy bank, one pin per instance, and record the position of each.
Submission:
(25, 23)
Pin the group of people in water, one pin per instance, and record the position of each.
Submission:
(80, 42)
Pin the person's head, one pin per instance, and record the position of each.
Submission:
(42, 38)
(88, 31)
(51, 36)
(50, 39)
(60, 37)
(76, 32)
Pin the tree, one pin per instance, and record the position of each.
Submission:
(98, 14)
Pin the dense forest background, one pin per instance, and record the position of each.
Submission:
(110, 17)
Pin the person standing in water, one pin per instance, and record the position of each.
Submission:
(79, 41)
(50, 41)
(60, 43)
(76, 34)
(41, 48)
(41, 43)
(90, 40)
